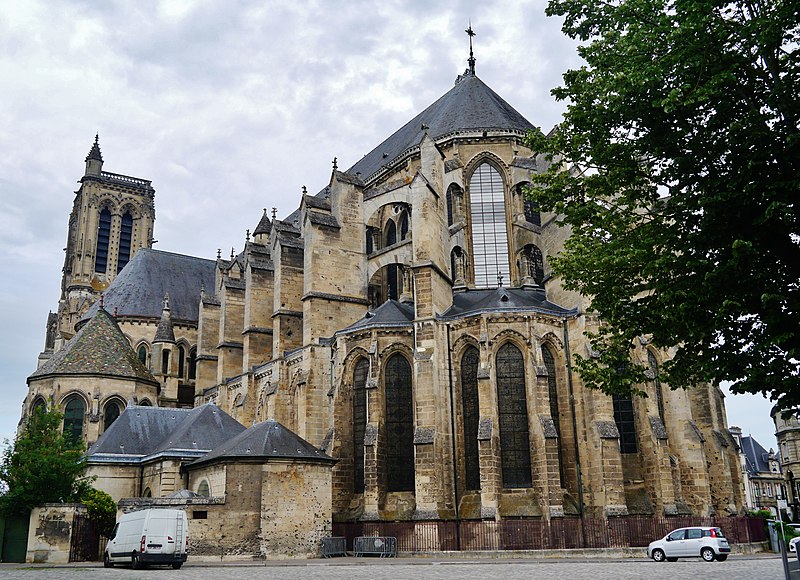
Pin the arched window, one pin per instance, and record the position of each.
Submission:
(73, 419)
(392, 282)
(626, 425)
(204, 490)
(359, 422)
(399, 425)
(147, 492)
(125, 237)
(470, 415)
(103, 236)
(165, 361)
(145, 403)
(369, 240)
(192, 364)
(181, 361)
(111, 412)
(530, 207)
(653, 363)
(489, 229)
(512, 403)
(391, 233)
(451, 192)
(552, 390)
(38, 405)
(143, 354)
(404, 225)
(533, 263)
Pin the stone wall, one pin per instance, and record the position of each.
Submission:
(50, 533)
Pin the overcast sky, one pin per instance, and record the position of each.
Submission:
(229, 107)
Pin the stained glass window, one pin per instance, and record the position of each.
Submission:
(470, 416)
(73, 419)
(512, 402)
(359, 422)
(399, 425)
(110, 414)
(103, 236)
(125, 237)
(626, 425)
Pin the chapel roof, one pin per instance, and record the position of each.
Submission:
(468, 107)
(140, 287)
(98, 348)
(142, 431)
(757, 458)
(502, 299)
(264, 441)
(389, 314)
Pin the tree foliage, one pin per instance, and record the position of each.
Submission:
(682, 144)
(102, 509)
(42, 465)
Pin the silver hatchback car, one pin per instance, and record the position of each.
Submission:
(707, 543)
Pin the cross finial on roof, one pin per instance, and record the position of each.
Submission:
(335, 164)
(102, 306)
(500, 279)
(166, 301)
(247, 235)
(274, 213)
(471, 59)
(219, 253)
(232, 254)
(305, 191)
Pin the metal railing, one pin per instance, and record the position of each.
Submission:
(540, 534)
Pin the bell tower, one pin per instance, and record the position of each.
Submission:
(112, 217)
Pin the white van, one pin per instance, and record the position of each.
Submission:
(150, 536)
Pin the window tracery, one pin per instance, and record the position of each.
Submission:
(399, 425)
(489, 228)
(470, 413)
(512, 403)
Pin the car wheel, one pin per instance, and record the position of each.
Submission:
(107, 563)
(722, 557)
(136, 563)
(707, 554)
(177, 565)
(658, 555)
(672, 559)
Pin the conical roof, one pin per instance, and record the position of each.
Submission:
(468, 107)
(99, 348)
(264, 225)
(94, 152)
(165, 332)
(265, 441)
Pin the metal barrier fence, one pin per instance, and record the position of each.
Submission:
(531, 534)
(383, 546)
(336, 546)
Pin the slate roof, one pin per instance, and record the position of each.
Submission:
(469, 106)
(503, 300)
(139, 288)
(389, 314)
(98, 348)
(266, 440)
(757, 457)
(142, 432)
(264, 225)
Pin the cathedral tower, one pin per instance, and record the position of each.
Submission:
(112, 217)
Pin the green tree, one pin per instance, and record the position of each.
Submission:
(682, 147)
(102, 509)
(42, 465)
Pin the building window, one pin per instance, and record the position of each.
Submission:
(512, 403)
(38, 406)
(552, 390)
(653, 363)
(143, 354)
(359, 422)
(369, 241)
(404, 225)
(449, 198)
(533, 263)
(399, 425)
(199, 514)
(192, 364)
(624, 418)
(392, 281)
(529, 207)
(73, 419)
(470, 413)
(110, 414)
(181, 361)
(165, 361)
(125, 237)
(103, 236)
(489, 230)
(204, 490)
(391, 233)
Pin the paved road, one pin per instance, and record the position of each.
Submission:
(759, 567)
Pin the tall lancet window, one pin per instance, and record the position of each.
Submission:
(103, 235)
(125, 237)
(489, 230)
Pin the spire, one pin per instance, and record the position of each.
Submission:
(165, 332)
(94, 160)
(263, 229)
(471, 59)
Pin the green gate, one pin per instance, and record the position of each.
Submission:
(14, 531)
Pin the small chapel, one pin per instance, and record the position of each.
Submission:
(403, 328)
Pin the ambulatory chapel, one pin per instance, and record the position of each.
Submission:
(399, 336)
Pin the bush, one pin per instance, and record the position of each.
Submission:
(102, 510)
